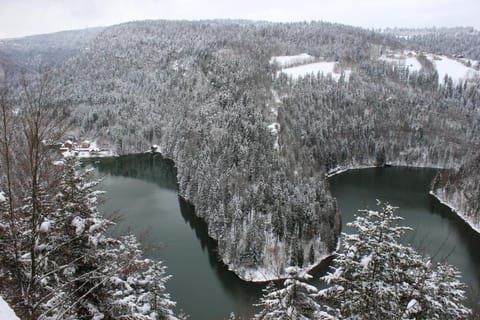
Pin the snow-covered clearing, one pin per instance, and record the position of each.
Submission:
(408, 60)
(455, 69)
(324, 67)
(6, 313)
(288, 61)
(303, 64)
(444, 65)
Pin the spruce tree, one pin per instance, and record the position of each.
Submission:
(377, 277)
(293, 301)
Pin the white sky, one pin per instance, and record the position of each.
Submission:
(26, 17)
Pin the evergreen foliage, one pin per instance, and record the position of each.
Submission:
(377, 277)
(57, 261)
(295, 300)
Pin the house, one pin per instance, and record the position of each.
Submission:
(66, 146)
(85, 144)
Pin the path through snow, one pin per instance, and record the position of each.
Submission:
(275, 126)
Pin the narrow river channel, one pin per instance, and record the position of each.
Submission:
(143, 190)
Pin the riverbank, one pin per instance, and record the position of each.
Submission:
(138, 186)
(343, 169)
(261, 276)
(450, 204)
(456, 210)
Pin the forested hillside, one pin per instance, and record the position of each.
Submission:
(206, 93)
(451, 41)
(461, 190)
(33, 52)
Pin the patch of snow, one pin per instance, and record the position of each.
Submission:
(6, 313)
(155, 148)
(2, 197)
(324, 67)
(264, 275)
(413, 64)
(365, 261)
(274, 128)
(408, 60)
(276, 97)
(339, 170)
(287, 61)
(45, 226)
(79, 225)
(453, 68)
(413, 308)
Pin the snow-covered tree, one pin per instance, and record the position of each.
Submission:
(293, 301)
(377, 277)
(57, 260)
(29, 181)
(92, 274)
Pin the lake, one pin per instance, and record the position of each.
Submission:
(143, 189)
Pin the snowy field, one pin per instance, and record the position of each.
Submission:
(455, 69)
(410, 62)
(303, 64)
(314, 68)
(444, 65)
(6, 313)
(288, 61)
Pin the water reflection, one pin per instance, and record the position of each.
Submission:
(144, 189)
(438, 232)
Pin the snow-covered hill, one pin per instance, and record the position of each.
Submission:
(48, 49)
(202, 91)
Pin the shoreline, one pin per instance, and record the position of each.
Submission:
(456, 211)
(257, 275)
(340, 169)
(306, 270)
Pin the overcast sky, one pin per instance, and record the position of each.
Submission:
(27, 17)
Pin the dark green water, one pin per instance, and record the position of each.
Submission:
(144, 189)
(438, 232)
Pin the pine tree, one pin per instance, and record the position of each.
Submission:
(98, 276)
(294, 301)
(57, 261)
(377, 277)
